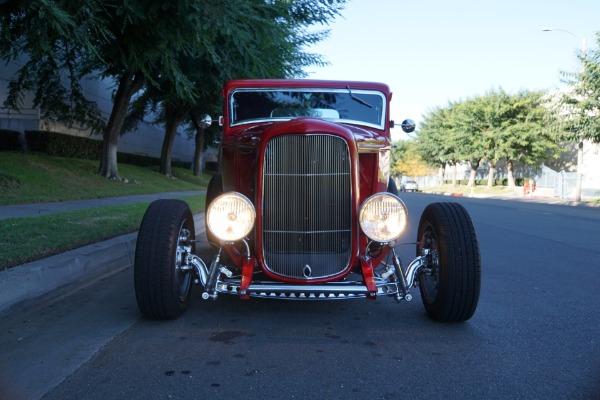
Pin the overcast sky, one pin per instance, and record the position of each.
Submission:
(433, 52)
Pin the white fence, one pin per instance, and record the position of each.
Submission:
(560, 184)
(564, 183)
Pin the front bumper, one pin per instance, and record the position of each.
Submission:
(394, 281)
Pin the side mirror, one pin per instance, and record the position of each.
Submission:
(205, 121)
(408, 125)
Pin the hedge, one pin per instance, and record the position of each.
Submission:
(61, 145)
(9, 140)
(147, 161)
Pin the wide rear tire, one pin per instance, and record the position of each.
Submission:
(392, 188)
(450, 292)
(166, 236)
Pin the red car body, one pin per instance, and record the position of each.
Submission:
(303, 207)
(243, 147)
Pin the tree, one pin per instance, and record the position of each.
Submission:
(406, 161)
(111, 39)
(491, 127)
(525, 140)
(53, 36)
(105, 39)
(136, 57)
(438, 140)
(398, 152)
(579, 105)
(467, 115)
(234, 45)
(512, 128)
(240, 37)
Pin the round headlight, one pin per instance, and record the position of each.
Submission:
(230, 217)
(383, 217)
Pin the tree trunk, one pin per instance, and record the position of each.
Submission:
(198, 153)
(510, 173)
(473, 173)
(491, 174)
(199, 141)
(441, 174)
(454, 181)
(129, 84)
(173, 118)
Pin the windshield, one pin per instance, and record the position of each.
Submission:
(365, 107)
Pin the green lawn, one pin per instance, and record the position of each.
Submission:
(28, 239)
(26, 178)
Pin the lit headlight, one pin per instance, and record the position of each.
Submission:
(383, 217)
(230, 217)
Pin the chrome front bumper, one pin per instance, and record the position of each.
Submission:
(395, 281)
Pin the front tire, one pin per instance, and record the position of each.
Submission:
(450, 291)
(165, 238)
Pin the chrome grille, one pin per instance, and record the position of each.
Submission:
(307, 206)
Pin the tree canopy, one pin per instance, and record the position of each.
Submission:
(177, 54)
(488, 128)
(406, 161)
(578, 106)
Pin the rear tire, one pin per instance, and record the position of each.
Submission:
(450, 293)
(165, 238)
(392, 188)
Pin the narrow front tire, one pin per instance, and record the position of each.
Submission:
(450, 287)
(166, 236)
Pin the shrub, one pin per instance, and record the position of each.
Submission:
(61, 145)
(9, 140)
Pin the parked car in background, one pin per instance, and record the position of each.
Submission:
(303, 207)
(409, 186)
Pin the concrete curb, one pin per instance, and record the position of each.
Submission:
(81, 266)
(60, 274)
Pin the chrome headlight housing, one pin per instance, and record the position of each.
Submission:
(230, 217)
(383, 217)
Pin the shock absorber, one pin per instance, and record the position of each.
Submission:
(401, 279)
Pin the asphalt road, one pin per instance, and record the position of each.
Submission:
(535, 334)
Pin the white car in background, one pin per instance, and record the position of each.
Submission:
(409, 186)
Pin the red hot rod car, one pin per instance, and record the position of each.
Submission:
(303, 207)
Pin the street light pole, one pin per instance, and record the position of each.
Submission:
(580, 142)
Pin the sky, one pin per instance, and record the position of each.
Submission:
(432, 52)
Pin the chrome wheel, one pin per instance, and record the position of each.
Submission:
(184, 275)
(429, 281)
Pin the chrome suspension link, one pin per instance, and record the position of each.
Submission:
(401, 278)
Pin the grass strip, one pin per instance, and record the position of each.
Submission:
(38, 178)
(24, 240)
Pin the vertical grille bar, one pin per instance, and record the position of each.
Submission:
(307, 224)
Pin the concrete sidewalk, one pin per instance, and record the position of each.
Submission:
(38, 209)
(60, 274)
(527, 199)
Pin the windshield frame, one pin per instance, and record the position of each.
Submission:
(382, 112)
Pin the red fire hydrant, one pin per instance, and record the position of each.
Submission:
(529, 187)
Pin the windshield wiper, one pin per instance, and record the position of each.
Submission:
(353, 97)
